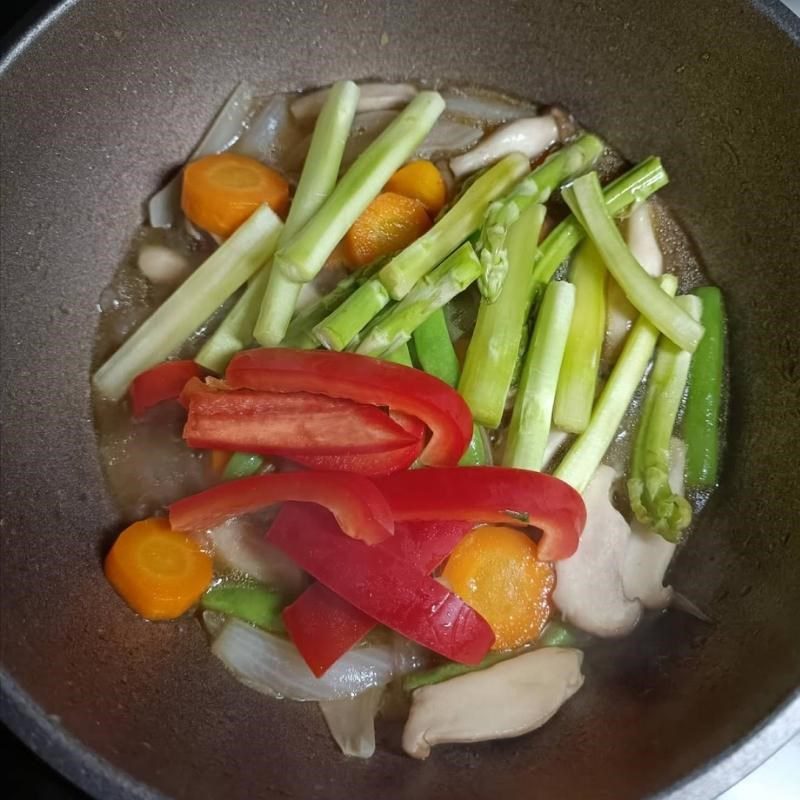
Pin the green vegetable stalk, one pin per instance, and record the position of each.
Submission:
(562, 165)
(652, 499)
(495, 343)
(192, 303)
(533, 406)
(400, 355)
(587, 451)
(307, 252)
(242, 465)
(430, 294)
(701, 421)
(577, 381)
(452, 669)
(247, 600)
(585, 199)
(343, 325)
(454, 228)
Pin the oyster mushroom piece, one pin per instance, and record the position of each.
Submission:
(503, 701)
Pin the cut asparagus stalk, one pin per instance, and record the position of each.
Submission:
(192, 303)
(562, 165)
(577, 382)
(342, 326)
(533, 405)
(495, 344)
(307, 252)
(585, 198)
(436, 289)
(454, 228)
(400, 355)
(587, 451)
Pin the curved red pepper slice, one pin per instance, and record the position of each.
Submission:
(162, 382)
(353, 500)
(381, 585)
(492, 494)
(384, 462)
(287, 424)
(365, 380)
(324, 627)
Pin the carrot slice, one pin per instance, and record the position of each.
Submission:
(158, 572)
(496, 572)
(221, 191)
(390, 223)
(219, 460)
(422, 181)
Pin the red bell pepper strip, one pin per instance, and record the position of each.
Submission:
(287, 424)
(379, 584)
(162, 382)
(324, 627)
(354, 501)
(364, 380)
(492, 494)
(384, 462)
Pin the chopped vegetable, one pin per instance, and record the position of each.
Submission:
(586, 452)
(306, 253)
(381, 585)
(452, 229)
(158, 572)
(495, 570)
(559, 634)
(531, 136)
(422, 181)
(529, 429)
(373, 97)
(508, 699)
(219, 461)
(388, 224)
(324, 626)
(434, 349)
(495, 344)
(702, 421)
(491, 494)
(651, 496)
(297, 423)
(451, 277)
(340, 328)
(351, 722)
(160, 264)
(162, 382)
(358, 506)
(246, 600)
(501, 215)
(221, 191)
(192, 303)
(363, 380)
(585, 198)
(242, 465)
(449, 669)
(577, 381)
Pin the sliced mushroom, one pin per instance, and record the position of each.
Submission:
(589, 589)
(503, 701)
(531, 136)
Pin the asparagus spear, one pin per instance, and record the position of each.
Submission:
(701, 422)
(562, 165)
(307, 252)
(495, 343)
(400, 355)
(577, 381)
(269, 299)
(342, 326)
(652, 499)
(585, 199)
(586, 452)
(533, 406)
(639, 183)
(454, 228)
(192, 303)
(450, 278)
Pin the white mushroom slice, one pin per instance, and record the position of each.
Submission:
(531, 136)
(648, 555)
(161, 264)
(509, 699)
(589, 590)
(641, 238)
(373, 97)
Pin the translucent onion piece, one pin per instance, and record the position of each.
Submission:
(352, 722)
(161, 264)
(449, 137)
(488, 109)
(374, 97)
(273, 666)
(213, 622)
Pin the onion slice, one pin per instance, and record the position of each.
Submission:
(373, 97)
(352, 722)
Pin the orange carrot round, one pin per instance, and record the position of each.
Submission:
(220, 192)
(158, 572)
(390, 223)
(495, 571)
(422, 181)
